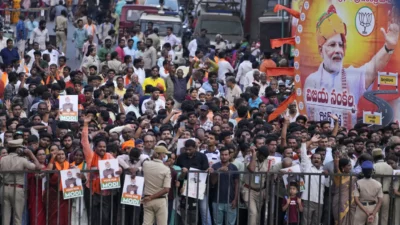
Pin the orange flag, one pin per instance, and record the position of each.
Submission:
(278, 71)
(276, 43)
(292, 12)
(282, 107)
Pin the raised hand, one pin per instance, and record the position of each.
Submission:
(315, 138)
(392, 33)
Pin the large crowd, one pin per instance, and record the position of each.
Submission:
(136, 105)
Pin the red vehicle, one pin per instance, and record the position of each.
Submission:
(130, 16)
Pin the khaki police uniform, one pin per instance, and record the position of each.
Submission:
(156, 177)
(368, 191)
(396, 186)
(382, 168)
(13, 184)
(61, 35)
(254, 191)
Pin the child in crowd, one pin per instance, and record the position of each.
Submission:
(293, 206)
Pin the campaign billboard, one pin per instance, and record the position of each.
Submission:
(347, 61)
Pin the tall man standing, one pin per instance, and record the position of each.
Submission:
(157, 182)
(61, 31)
(21, 35)
(40, 35)
(225, 204)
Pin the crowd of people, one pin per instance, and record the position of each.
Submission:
(136, 105)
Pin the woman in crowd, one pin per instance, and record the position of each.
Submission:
(343, 206)
(57, 206)
(78, 210)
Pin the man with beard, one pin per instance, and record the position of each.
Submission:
(160, 104)
(66, 142)
(331, 75)
(368, 196)
(40, 35)
(44, 141)
(149, 55)
(359, 146)
(179, 87)
(313, 203)
(102, 53)
(212, 152)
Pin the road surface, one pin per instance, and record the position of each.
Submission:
(383, 106)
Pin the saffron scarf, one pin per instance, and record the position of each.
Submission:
(59, 167)
(95, 164)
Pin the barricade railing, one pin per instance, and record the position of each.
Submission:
(200, 197)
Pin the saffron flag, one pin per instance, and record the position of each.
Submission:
(279, 71)
(282, 107)
(276, 43)
(292, 12)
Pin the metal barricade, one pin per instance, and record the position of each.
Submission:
(201, 198)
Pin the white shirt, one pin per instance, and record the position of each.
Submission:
(249, 78)
(213, 157)
(163, 74)
(141, 74)
(244, 67)
(171, 54)
(136, 111)
(160, 61)
(262, 89)
(221, 46)
(315, 183)
(40, 36)
(292, 119)
(130, 51)
(90, 29)
(18, 84)
(53, 56)
(172, 39)
(223, 68)
(3, 43)
(128, 109)
(160, 104)
(30, 53)
(192, 47)
(328, 156)
(124, 162)
(22, 66)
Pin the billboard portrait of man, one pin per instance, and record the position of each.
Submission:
(322, 88)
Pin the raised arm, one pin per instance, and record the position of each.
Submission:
(284, 131)
(336, 125)
(85, 140)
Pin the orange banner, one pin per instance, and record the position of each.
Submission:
(279, 71)
(282, 107)
(276, 43)
(292, 12)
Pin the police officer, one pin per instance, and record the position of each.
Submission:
(368, 196)
(382, 168)
(157, 182)
(253, 192)
(13, 184)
